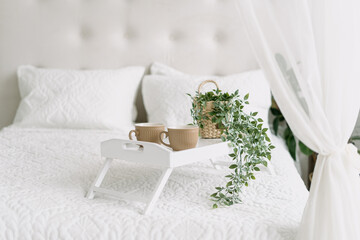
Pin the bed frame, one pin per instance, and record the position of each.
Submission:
(202, 36)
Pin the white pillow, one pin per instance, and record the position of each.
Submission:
(102, 99)
(165, 98)
(161, 69)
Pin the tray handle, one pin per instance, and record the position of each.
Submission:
(133, 147)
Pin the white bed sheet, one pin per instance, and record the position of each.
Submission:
(45, 175)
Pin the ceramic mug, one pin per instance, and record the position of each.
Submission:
(147, 132)
(181, 137)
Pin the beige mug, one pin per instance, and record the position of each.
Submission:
(181, 137)
(147, 132)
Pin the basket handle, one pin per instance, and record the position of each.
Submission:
(205, 82)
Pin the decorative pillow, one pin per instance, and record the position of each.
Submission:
(161, 69)
(165, 98)
(102, 99)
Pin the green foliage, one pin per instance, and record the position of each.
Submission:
(250, 143)
(214, 95)
(288, 134)
(304, 149)
(354, 138)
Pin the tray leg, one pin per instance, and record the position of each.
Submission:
(159, 187)
(99, 178)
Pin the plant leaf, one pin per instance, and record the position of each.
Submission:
(304, 149)
(291, 144)
(232, 166)
(275, 112)
(213, 195)
(276, 125)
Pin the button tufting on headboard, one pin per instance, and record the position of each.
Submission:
(176, 36)
(220, 37)
(195, 36)
(131, 34)
(85, 32)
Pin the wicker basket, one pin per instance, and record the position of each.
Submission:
(210, 129)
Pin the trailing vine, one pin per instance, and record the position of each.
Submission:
(245, 133)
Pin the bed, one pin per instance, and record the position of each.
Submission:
(46, 172)
(43, 185)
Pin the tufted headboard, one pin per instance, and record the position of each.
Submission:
(196, 36)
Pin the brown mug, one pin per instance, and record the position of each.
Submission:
(181, 137)
(147, 132)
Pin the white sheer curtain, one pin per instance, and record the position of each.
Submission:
(310, 52)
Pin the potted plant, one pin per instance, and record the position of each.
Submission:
(204, 106)
(245, 133)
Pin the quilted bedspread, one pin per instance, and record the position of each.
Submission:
(45, 174)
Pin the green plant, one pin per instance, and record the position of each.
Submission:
(250, 143)
(353, 139)
(288, 135)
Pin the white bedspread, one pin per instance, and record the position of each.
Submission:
(44, 176)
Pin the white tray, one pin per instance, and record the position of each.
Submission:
(155, 156)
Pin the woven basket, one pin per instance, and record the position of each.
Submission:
(210, 129)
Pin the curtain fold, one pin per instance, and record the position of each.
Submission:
(310, 54)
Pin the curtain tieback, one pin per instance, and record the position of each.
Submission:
(352, 155)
